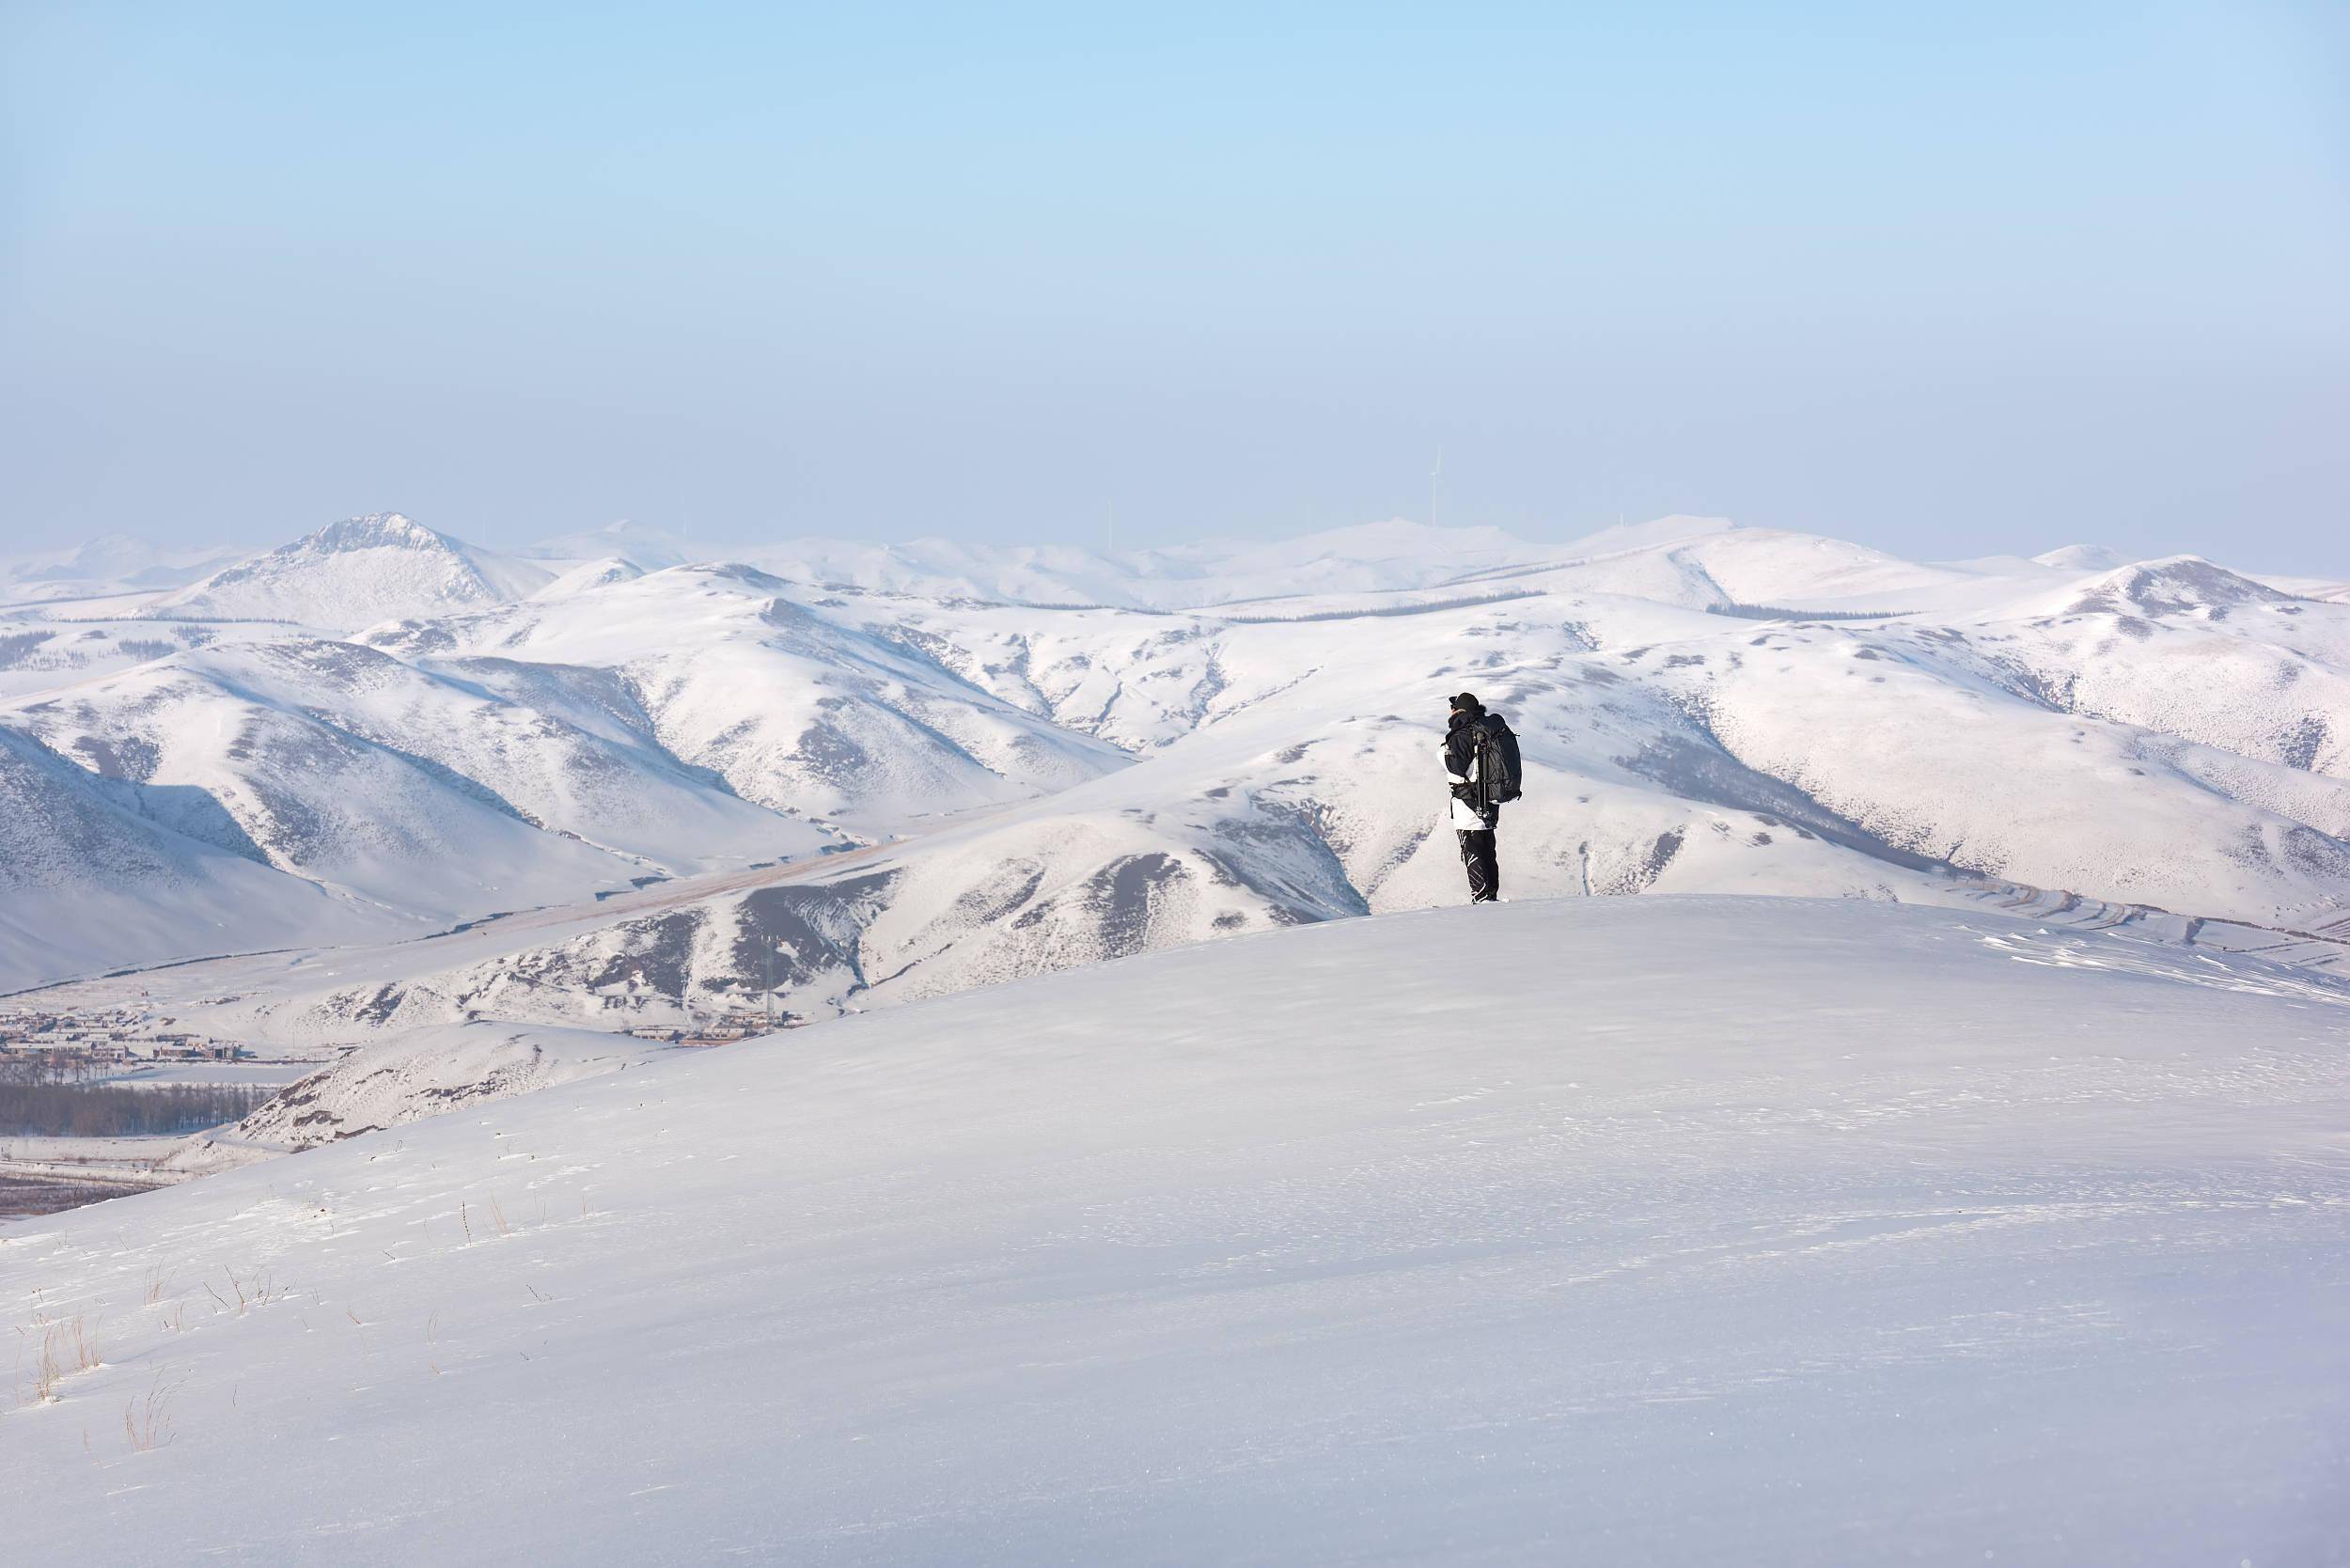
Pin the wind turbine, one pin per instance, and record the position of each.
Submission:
(1435, 479)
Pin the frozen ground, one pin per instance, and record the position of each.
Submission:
(1669, 1230)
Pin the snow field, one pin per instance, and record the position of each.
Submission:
(1653, 1230)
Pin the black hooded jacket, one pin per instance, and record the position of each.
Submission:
(1459, 761)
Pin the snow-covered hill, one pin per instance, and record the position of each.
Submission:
(110, 564)
(797, 708)
(2082, 558)
(1658, 1230)
(38, 653)
(97, 871)
(443, 795)
(357, 572)
(1371, 558)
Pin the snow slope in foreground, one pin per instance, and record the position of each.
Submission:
(1633, 1230)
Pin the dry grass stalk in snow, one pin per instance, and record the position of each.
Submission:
(146, 1420)
(60, 1348)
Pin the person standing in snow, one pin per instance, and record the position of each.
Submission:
(1481, 761)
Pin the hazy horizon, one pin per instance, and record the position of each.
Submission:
(1947, 285)
(750, 542)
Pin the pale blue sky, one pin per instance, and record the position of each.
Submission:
(1950, 280)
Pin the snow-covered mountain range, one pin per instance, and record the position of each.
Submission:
(922, 768)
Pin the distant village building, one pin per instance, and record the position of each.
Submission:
(105, 1039)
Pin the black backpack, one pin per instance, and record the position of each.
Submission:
(1498, 772)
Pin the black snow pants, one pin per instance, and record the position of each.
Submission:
(1484, 867)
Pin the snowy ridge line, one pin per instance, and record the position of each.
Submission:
(1429, 608)
(953, 601)
(1701, 529)
(146, 969)
(1780, 612)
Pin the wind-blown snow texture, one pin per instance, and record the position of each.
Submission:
(1669, 1230)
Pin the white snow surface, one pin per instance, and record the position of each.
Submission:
(1667, 1230)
